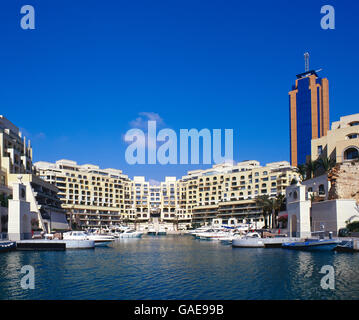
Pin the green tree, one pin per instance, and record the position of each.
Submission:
(302, 170)
(279, 203)
(326, 163)
(311, 167)
(265, 203)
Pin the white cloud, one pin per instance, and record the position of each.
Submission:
(154, 182)
(141, 121)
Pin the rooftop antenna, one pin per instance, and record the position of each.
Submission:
(306, 60)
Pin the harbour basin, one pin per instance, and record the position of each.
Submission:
(178, 267)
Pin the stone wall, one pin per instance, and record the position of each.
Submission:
(344, 179)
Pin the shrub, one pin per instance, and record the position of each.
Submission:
(353, 226)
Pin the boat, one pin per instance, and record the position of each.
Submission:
(74, 235)
(250, 240)
(204, 233)
(345, 246)
(7, 246)
(162, 231)
(151, 231)
(233, 236)
(215, 235)
(131, 233)
(99, 240)
(312, 245)
(79, 244)
(199, 230)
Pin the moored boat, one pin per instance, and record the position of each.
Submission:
(151, 231)
(79, 244)
(251, 240)
(162, 231)
(312, 245)
(98, 239)
(7, 246)
(130, 233)
(101, 239)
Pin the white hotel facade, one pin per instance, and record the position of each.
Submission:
(94, 197)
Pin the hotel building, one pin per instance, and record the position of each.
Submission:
(309, 114)
(228, 192)
(95, 197)
(16, 165)
(341, 143)
(91, 196)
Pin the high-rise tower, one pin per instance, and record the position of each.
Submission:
(309, 113)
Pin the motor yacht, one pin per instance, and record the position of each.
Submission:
(250, 240)
(131, 233)
(162, 231)
(99, 240)
(151, 231)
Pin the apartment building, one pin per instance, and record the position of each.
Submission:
(16, 166)
(141, 199)
(16, 154)
(341, 143)
(92, 197)
(173, 204)
(228, 192)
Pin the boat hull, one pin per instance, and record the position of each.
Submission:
(124, 236)
(79, 244)
(248, 243)
(311, 245)
(7, 246)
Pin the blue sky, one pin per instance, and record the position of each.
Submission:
(78, 82)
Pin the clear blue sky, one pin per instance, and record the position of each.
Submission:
(77, 82)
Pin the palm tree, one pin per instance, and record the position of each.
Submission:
(311, 167)
(265, 203)
(326, 163)
(279, 201)
(302, 170)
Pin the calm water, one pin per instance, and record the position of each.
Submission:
(178, 267)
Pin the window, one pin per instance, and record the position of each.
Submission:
(320, 150)
(354, 123)
(353, 136)
(351, 154)
(321, 189)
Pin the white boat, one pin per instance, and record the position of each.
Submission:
(75, 235)
(162, 231)
(99, 240)
(199, 230)
(130, 233)
(77, 240)
(151, 231)
(231, 237)
(254, 240)
(79, 244)
(250, 240)
(204, 235)
(215, 235)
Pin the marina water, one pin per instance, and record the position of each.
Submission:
(178, 267)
